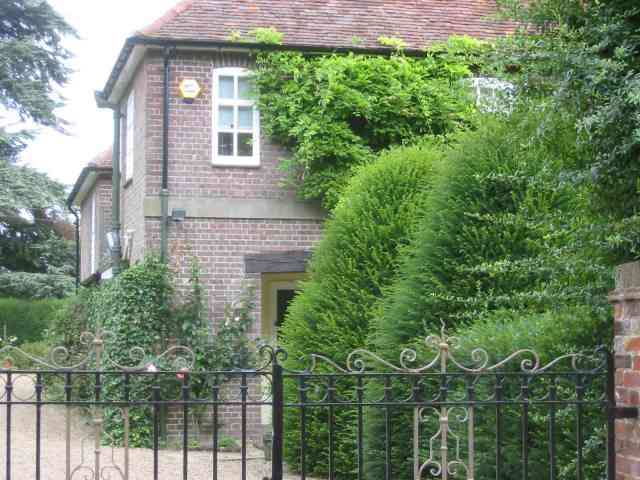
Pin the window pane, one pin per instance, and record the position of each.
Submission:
(245, 118)
(245, 87)
(225, 117)
(245, 145)
(226, 87)
(225, 144)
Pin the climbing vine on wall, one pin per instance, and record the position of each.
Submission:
(335, 112)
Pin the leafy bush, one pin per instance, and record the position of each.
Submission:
(551, 335)
(28, 320)
(350, 268)
(502, 229)
(501, 333)
(35, 285)
(134, 309)
(588, 62)
(229, 347)
(336, 112)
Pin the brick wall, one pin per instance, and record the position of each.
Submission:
(191, 173)
(626, 302)
(101, 191)
(132, 192)
(219, 244)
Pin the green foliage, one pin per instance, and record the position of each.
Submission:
(356, 260)
(25, 188)
(134, 308)
(32, 71)
(35, 285)
(586, 57)
(502, 230)
(336, 112)
(393, 42)
(228, 347)
(551, 335)
(33, 59)
(28, 320)
(269, 36)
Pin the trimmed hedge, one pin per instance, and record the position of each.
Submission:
(35, 285)
(503, 228)
(351, 266)
(27, 320)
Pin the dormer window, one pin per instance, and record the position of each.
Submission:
(236, 121)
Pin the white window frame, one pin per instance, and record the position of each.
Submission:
(233, 160)
(492, 94)
(93, 234)
(130, 124)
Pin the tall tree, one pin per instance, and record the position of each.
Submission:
(33, 69)
(32, 59)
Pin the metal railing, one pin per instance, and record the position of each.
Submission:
(444, 418)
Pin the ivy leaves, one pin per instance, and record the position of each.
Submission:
(337, 112)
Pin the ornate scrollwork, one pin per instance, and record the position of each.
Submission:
(445, 358)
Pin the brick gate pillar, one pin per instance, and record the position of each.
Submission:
(626, 302)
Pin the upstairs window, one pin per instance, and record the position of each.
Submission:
(493, 95)
(236, 121)
(130, 137)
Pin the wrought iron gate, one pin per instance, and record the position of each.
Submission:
(446, 418)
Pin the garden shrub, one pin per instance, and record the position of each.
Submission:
(350, 268)
(502, 229)
(35, 285)
(28, 320)
(335, 112)
(134, 308)
(551, 335)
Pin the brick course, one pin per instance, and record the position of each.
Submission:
(626, 302)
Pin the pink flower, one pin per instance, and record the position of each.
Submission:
(181, 375)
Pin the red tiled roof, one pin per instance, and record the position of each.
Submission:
(331, 23)
(104, 159)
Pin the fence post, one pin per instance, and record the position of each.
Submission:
(277, 399)
(626, 302)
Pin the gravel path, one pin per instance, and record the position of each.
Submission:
(141, 460)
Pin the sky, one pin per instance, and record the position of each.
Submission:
(102, 26)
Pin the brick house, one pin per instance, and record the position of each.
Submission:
(194, 177)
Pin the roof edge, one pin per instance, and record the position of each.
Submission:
(84, 174)
(143, 40)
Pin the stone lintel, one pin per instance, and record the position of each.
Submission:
(277, 262)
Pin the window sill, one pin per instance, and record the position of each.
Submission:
(236, 162)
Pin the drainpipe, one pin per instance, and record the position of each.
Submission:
(116, 251)
(74, 212)
(164, 191)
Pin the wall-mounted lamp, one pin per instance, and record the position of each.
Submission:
(178, 215)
